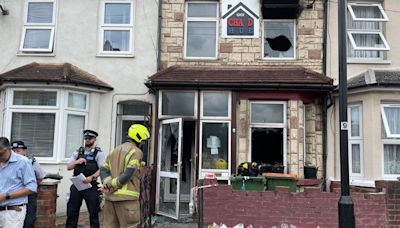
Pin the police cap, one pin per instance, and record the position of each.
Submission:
(18, 144)
(89, 133)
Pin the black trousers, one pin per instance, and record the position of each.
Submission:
(92, 200)
(31, 211)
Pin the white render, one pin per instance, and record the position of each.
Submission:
(76, 42)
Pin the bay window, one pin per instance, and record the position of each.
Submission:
(391, 139)
(51, 128)
(355, 140)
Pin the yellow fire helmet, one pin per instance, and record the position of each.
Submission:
(138, 133)
(221, 164)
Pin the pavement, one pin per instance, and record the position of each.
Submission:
(157, 221)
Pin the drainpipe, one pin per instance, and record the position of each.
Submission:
(324, 99)
(160, 2)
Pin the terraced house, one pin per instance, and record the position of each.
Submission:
(70, 65)
(373, 63)
(239, 81)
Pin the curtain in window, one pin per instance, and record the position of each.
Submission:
(75, 127)
(355, 158)
(363, 40)
(392, 159)
(36, 130)
(117, 13)
(393, 119)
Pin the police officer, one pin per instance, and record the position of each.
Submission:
(86, 160)
(20, 148)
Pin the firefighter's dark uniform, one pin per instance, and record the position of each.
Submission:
(91, 195)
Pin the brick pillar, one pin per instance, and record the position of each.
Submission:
(47, 204)
(392, 190)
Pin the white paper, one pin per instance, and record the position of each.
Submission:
(214, 151)
(77, 181)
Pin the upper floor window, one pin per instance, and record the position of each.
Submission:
(39, 25)
(279, 39)
(116, 28)
(201, 30)
(365, 31)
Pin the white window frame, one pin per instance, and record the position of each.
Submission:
(222, 174)
(117, 27)
(355, 18)
(201, 19)
(61, 112)
(388, 142)
(39, 26)
(215, 117)
(356, 140)
(294, 39)
(350, 34)
(385, 122)
(161, 116)
(270, 125)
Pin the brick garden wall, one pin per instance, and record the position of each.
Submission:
(310, 208)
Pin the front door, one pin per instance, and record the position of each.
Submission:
(169, 168)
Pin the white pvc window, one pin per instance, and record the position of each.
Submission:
(367, 12)
(201, 33)
(178, 104)
(215, 104)
(49, 121)
(39, 26)
(116, 30)
(366, 39)
(355, 140)
(391, 120)
(279, 39)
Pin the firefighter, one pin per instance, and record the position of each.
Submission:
(120, 176)
(86, 160)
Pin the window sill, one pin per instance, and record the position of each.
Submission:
(115, 55)
(371, 61)
(27, 54)
(279, 59)
(362, 183)
(194, 59)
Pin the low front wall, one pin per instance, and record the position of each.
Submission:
(311, 208)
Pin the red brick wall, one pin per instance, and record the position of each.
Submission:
(310, 208)
(46, 206)
(392, 190)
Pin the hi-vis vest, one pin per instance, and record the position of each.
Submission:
(125, 155)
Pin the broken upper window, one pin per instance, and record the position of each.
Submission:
(279, 39)
(365, 31)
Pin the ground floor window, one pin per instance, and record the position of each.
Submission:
(391, 139)
(49, 121)
(268, 133)
(355, 140)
